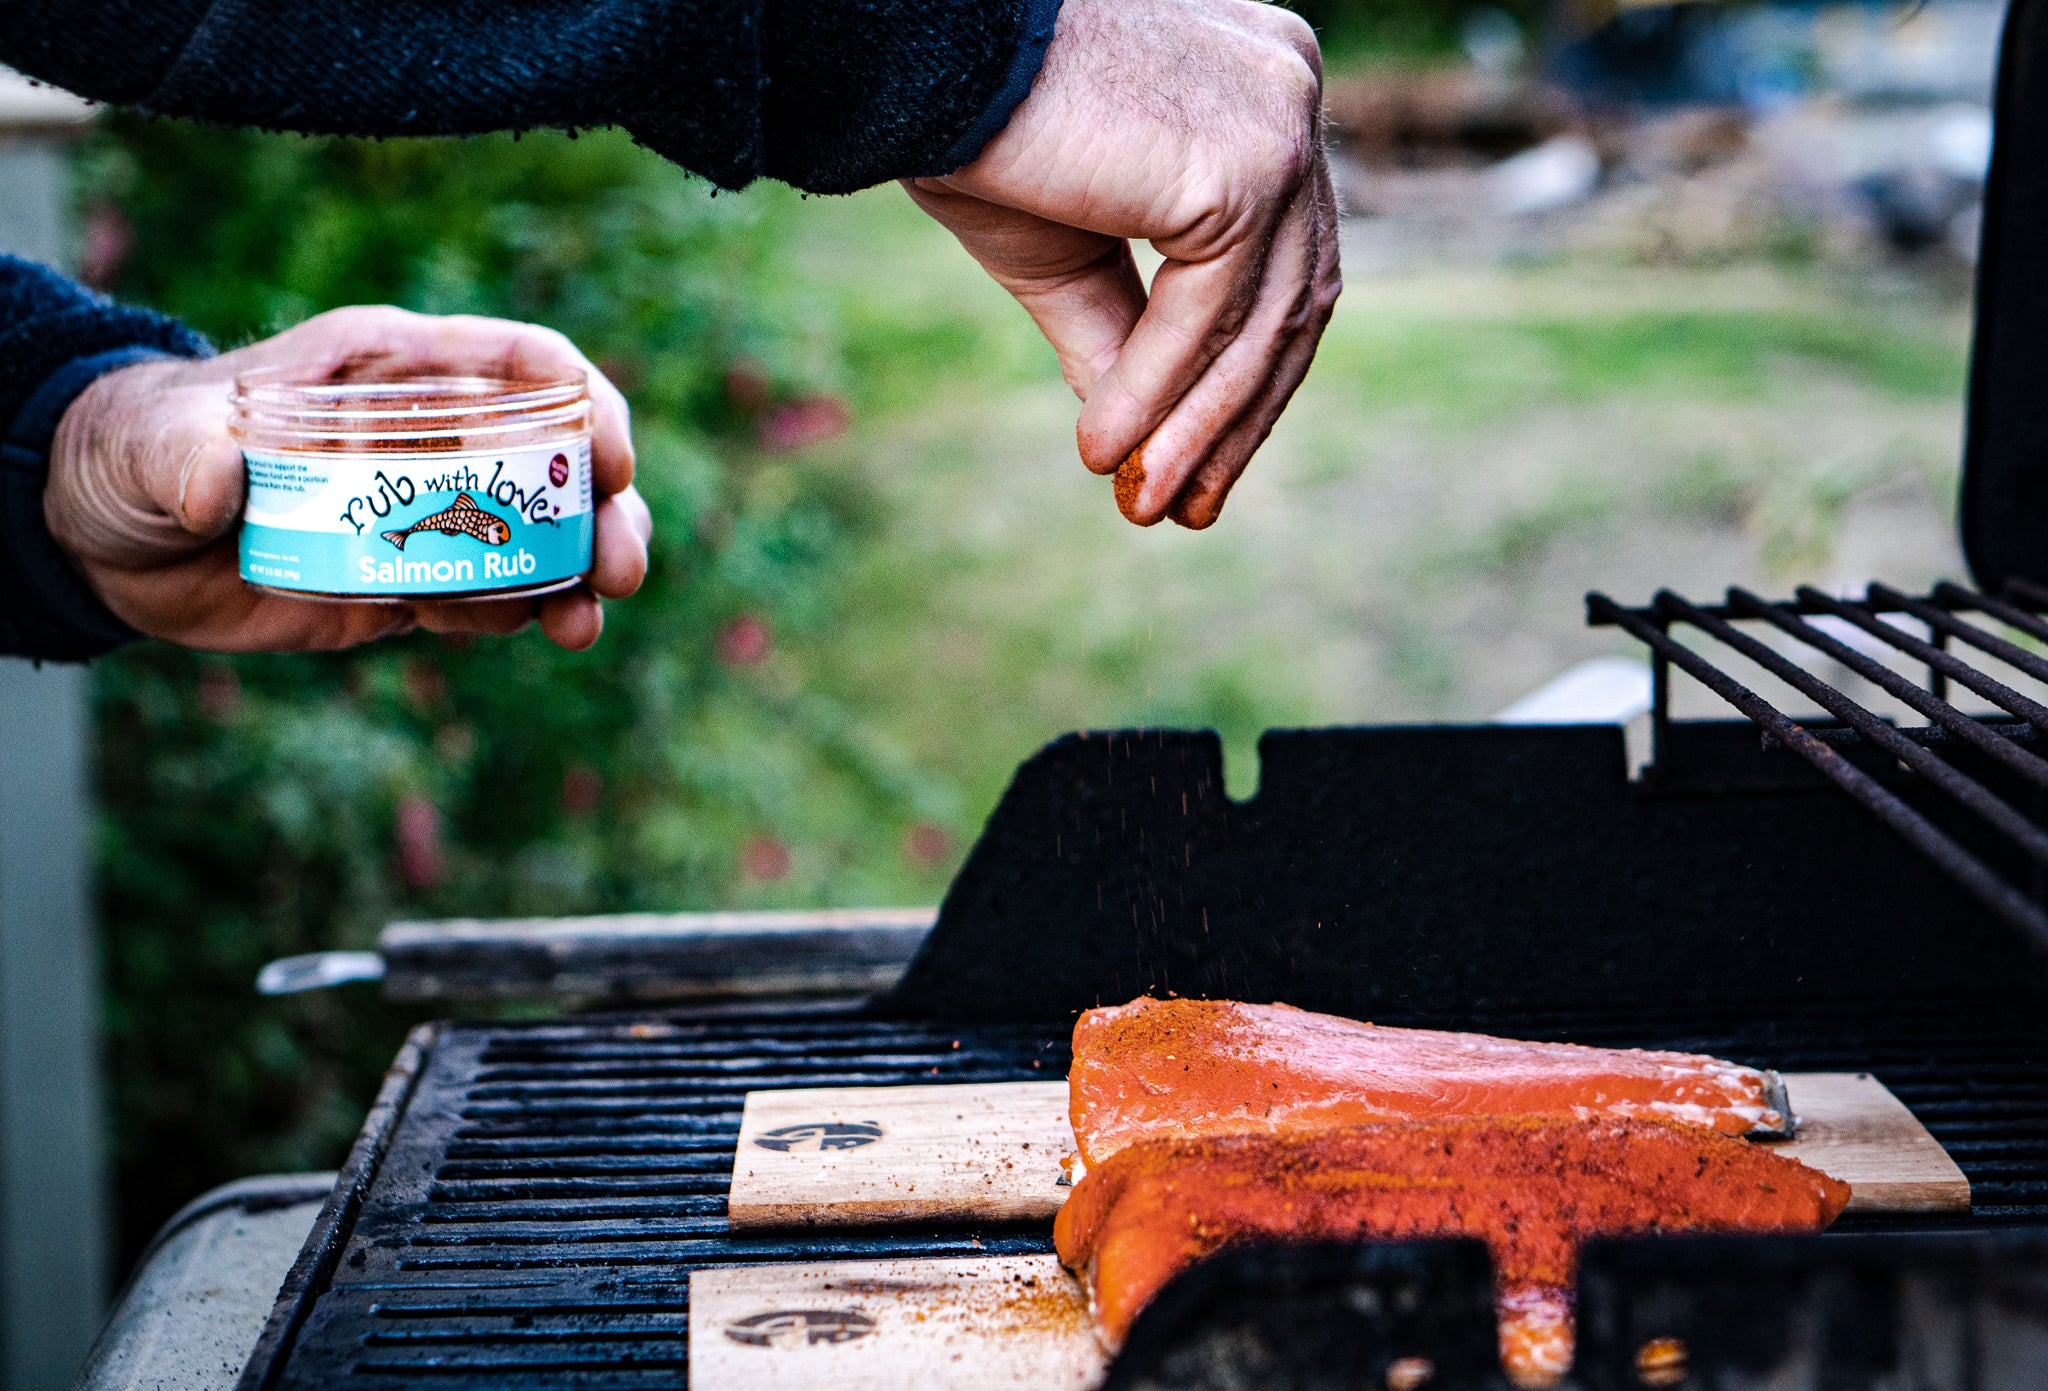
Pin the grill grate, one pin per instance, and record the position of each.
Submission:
(1982, 765)
(543, 1191)
(535, 1202)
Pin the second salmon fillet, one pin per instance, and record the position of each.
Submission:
(1534, 1189)
(1183, 1069)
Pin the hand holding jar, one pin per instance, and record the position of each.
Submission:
(147, 484)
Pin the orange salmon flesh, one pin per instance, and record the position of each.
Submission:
(1532, 1187)
(1177, 1069)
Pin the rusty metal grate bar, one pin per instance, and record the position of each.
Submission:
(1925, 752)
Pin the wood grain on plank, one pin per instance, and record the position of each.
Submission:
(1852, 1128)
(931, 1324)
(880, 1155)
(854, 1156)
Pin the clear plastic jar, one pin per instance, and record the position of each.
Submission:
(374, 488)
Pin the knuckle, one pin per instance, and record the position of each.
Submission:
(1299, 35)
(1287, 157)
(1286, 144)
(556, 339)
(369, 315)
(1269, 160)
(1282, 70)
(364, 328)
(1303, 309)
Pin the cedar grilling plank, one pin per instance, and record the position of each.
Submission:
(1168, 1069)
(1533, 1188)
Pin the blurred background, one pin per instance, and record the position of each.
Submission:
(1668, 294)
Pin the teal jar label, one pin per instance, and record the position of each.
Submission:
(402, 526)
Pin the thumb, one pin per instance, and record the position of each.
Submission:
(198, 477)
(186, 469)
(142, 470)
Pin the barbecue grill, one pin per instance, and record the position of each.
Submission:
(528, 1200)
(1863, 889)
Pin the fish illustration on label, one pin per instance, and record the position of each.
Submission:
(463, 518)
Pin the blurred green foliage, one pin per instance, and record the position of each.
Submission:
(257, 807)
(1378, 32)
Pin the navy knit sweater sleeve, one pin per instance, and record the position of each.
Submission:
(828, 95)
(56, 339)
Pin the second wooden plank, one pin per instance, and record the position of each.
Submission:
(973, 1324)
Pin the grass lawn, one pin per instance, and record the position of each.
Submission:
(1474, 449)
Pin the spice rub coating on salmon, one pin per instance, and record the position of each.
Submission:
(1533, 1188)
(1166, 1069)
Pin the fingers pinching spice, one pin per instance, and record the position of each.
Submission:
(1197, 126)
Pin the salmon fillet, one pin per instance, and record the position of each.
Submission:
(1533, 1188)
(1174, 1069)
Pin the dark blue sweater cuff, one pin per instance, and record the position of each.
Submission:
(1034, 37)
(829, 95)
(858, 92)
(56, 339)
(45, 585)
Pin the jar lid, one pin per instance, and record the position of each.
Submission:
(290, 404)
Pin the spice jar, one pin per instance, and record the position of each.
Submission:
(415, 488)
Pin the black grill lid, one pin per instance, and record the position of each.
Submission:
(2005, 457)
(1443, 870)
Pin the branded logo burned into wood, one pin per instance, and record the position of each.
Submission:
(797, 1328)
(820, 1135)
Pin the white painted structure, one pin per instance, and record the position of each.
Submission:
(53, 1200)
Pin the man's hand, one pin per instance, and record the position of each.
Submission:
(1197, 125)
(146, 488)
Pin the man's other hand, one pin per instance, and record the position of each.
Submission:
(1197, 125)
(146, 489)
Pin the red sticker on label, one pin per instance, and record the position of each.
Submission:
(558, 470)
